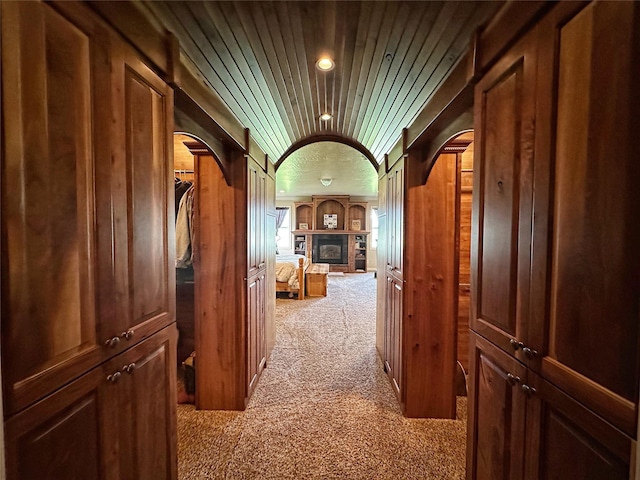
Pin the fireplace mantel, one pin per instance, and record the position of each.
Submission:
(330, 232)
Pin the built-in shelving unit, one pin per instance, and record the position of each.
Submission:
(300, 244)
(360, 253)
(333, 215)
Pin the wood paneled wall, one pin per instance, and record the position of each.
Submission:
(431, 291)
(220, 220)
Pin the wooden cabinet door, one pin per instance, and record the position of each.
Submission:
(146, 407)
(395, 218)
(393, 335)
(57, 288)
(257, 212)
(256, 346)
(566, 440)
(501, 231)
(143, 213)
(496, 422)
(585, 302)
(62, 437)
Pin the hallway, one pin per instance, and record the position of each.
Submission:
(323, 407)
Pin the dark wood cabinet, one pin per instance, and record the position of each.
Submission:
(555, 259)
(585, 255)
(87, 220)
(393, 335)
(496, 427)
(523, 426)
(257, 210)
(117, 421)
(395, 218)
(504, 118)
(256, 346)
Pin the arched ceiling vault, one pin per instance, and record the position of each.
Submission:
(259, 57)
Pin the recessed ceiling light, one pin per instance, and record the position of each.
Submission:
(325, 64)
(326, 116)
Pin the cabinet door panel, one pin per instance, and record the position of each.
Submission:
(60, 437)
(146, 407)
(146, 271)
(56, 144)
(563, 433)
(504, 113)
(256, 211)
(393, 335)
(496, 416)
(256, 346)
(586, 250)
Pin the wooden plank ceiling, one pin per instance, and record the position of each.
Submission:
(260, 58)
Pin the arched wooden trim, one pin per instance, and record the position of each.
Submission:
(329, 137)
(200, 147)
(446, 139)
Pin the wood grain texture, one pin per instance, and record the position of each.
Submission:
(561, 430)
(586, 300)
(465, 188)
(429, 318)
(259, 58)
(501, 230)
(221, 264)
(496, 422)
(146, 405)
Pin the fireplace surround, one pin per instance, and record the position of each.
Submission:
(332, 249)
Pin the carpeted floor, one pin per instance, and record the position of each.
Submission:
(323, 408)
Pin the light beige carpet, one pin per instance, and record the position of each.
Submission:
(323, 408)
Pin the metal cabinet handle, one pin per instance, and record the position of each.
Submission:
(516, 344)
(113, 378)
(528, 390)
(513, 379)
(128, 335)
(129, 368)
(530, 352)
(112, 342)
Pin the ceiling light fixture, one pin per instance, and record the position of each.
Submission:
(325, 64)
(326, 117)
(326, 181)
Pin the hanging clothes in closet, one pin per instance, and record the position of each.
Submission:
(184, 224)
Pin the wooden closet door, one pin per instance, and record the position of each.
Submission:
(501, 232)
(395, 217)
(146, 411)
(256, 346)
(566, 440)
(62, 436)
(57, 288)
(586, 260)
(144, 208)
(393, 336)
(496, 422)
(257, 212)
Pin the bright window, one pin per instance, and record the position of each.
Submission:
(374, 229)
(283, 235)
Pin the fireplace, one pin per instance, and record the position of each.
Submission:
(331, 249)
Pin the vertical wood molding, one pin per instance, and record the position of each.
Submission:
(2, 461)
